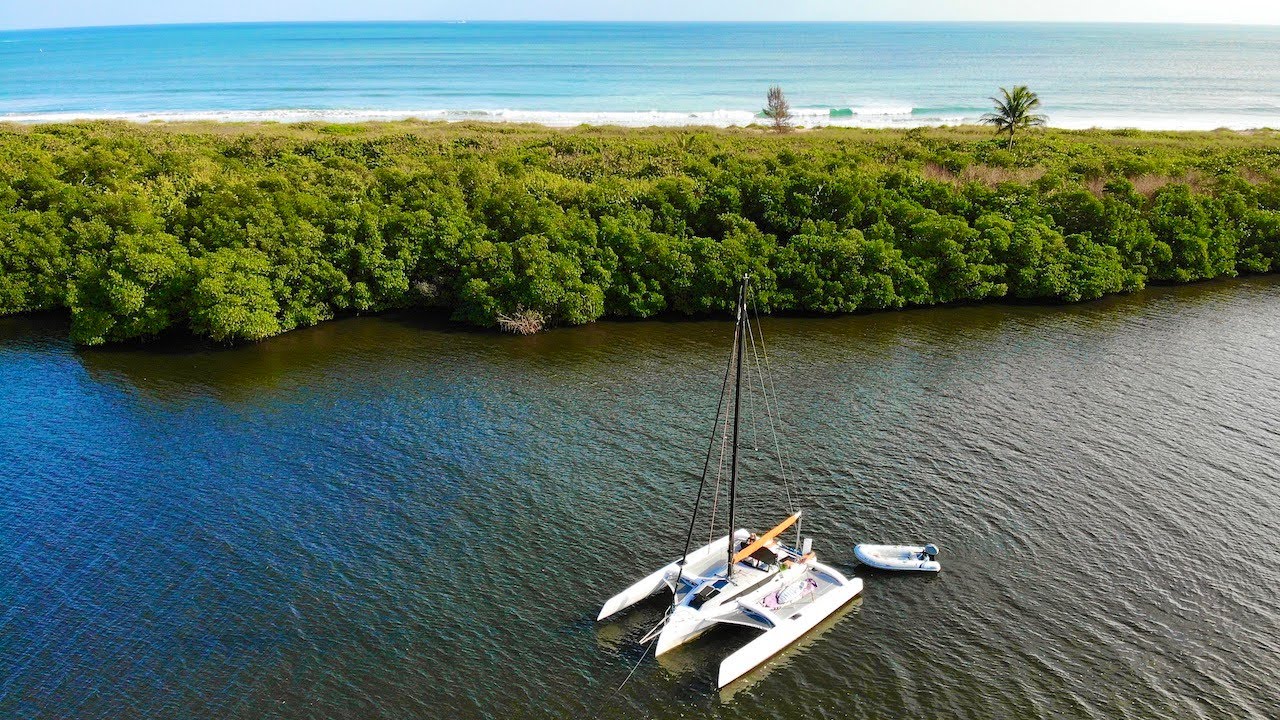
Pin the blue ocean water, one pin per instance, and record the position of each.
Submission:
(1110, 75)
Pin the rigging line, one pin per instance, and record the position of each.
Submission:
(774, 417)
(706, 465)
(770, 412)
(767, 373)
(734, 360)
(739, 345)
(751, 396)
(724, 449)
(715, 496)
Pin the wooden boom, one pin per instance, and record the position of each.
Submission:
(760, 541)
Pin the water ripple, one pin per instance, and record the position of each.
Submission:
(383, 517)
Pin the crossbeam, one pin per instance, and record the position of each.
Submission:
(760, 541)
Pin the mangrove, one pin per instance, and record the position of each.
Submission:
(237, 232)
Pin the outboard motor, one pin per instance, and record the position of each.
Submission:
(931, 550)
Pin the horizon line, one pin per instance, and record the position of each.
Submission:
(466, 21)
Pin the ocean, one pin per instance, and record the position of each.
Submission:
(852, 74)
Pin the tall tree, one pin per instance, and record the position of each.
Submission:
(1014, 111)
(778, 110)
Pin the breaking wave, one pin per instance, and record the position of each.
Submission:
(868, 116)
(861, 116)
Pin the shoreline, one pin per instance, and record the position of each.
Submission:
(961, 136)
(180, 340)
(804, 118)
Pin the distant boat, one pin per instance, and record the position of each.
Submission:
(741, 578)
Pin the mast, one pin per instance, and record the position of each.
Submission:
(737, 405)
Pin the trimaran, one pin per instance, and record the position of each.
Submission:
(741, 578)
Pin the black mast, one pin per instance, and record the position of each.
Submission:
(737, 404)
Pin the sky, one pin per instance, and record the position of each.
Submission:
(20, 14)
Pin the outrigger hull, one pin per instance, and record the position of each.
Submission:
(791, 628)
(663, 577)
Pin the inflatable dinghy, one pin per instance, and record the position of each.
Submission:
(900, 557)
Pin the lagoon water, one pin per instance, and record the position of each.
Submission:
(388, 517)
(868, 74)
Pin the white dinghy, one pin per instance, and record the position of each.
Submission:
(923, 558)
(744, 579)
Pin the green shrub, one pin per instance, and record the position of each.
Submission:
(237, 233)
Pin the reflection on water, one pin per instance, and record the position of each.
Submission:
(393, 517)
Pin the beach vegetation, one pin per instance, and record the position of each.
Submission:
(778, 110)
(239, 232)
(1014, 110)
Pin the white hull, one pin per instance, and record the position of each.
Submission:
(784, 603)
(895, 557)
(663, 577)
(786, 632)
(687, 623)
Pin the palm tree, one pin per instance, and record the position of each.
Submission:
(1015, 112)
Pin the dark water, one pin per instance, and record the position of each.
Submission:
(384, 518)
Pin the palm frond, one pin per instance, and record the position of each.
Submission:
(1014, 109)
